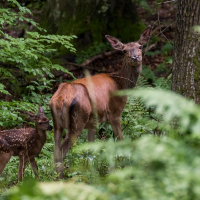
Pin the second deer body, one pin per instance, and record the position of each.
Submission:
(25, 143)
(73, 103)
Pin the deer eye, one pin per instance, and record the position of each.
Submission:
(140, 47)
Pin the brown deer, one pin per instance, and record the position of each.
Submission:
(25, 143)
(72, 104)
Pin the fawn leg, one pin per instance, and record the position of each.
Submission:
(22, 163)
(34, 167)
(4, 158)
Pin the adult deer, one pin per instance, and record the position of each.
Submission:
(72, 104)
(25, 143)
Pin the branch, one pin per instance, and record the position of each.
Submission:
(100, 56)
(158, 28)
(148, 48)
(92, 59)
(167, 2)
(80, 66)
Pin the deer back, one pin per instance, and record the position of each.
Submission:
(95, 91)
(17, 140)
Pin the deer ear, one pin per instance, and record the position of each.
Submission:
(40, 110)
(144, 37)
(31, 116)
(115, 43)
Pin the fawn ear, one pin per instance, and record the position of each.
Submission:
(40, 110)
(31, 116)
(144, 37)
(115, 43)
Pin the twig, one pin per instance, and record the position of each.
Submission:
(165, 28)
(80, 66)
(167, 2)
(149, 47)
(157, 28)
(101, 56)
(91, 60)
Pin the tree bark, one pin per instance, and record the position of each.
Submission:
(186, 56)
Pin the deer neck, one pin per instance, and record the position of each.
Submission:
(127, 77)
(41, 135)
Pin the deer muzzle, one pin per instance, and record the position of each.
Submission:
(135, 58)
(49, 128)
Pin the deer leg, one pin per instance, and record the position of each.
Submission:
(77, 124)
(22, 163)
(116, 126)
(34, 167)
(66, 145)
(4, 158)
(69, 141)
(57, 150)
(91, 134)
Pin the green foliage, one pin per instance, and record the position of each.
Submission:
(2, 89)
(162, 68)
(54, 191)
(172, 107)
(163, 83)
(166, 48)
(148, 167)
(148, 74)
(29, 54)
(32, 56)
(10, 112)
(38, 93)
(136, 117)
(151, 168)
(9, 17)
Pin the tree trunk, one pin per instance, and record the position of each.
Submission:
(186, 56)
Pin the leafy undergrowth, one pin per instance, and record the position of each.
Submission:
(159, 158)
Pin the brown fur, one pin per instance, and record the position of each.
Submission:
(25, 143)
(74, 104)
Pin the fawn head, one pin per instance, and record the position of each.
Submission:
(41, 121)
(132, 50)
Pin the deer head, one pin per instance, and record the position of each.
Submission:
(41, 121)
(133, 50)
